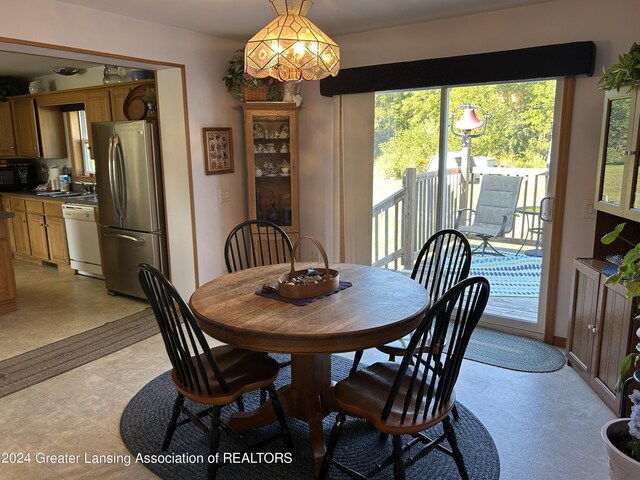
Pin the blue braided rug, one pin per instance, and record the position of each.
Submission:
(509, 276)
(144, 420)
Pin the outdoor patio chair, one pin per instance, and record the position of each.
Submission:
(407, 398)
(495, 210)
(214, 377)
(254, 243)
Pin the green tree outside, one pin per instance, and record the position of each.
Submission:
(517, 135)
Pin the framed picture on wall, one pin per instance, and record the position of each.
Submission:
(218, 150)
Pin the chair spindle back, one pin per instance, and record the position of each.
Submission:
(443, 261)
(184, 341)
(254, 243)
(462, 305)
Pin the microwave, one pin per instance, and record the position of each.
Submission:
(15, 178)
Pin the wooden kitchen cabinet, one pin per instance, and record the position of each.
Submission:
(56, 233)
(25, 128)
(40, 136)
(118, 96)
(6, 207)
(600, 330)
(7, 139)
(39, 230)
(271, 139)
(21, 231)
(7, 277)
(97, 107)
(38, 236)
(20, 227)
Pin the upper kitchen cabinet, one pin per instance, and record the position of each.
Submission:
(97, 107)
(118, 96)
(618, 191)
(38, 135)
(271, 139)
(7, 139)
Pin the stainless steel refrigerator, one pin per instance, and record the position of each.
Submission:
(129, 187)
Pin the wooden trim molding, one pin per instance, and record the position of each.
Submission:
(560, 342)
(558, 208)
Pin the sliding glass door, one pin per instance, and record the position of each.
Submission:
(478, 159)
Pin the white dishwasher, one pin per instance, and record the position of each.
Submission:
(83, 239)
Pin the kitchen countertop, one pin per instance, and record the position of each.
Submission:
(83, 198)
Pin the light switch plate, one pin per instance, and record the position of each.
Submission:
(224, 194)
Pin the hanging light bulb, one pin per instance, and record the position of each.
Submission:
(291, 47)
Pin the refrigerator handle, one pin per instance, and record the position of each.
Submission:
(112, 176)
(122, 178)
(125, 237)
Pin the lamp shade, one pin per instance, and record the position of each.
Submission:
(469, 120)
(291, 47)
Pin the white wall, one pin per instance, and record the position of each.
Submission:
(612, 25)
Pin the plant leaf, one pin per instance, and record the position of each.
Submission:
(612, 236)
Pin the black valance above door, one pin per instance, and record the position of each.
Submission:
(549, 61)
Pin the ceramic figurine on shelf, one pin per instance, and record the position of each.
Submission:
(258, 131)
(284, 131)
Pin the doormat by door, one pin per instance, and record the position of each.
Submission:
(37, 365)
(510, 275)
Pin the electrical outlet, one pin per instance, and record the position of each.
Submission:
(224, 194)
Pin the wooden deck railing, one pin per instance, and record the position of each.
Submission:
(409, 216)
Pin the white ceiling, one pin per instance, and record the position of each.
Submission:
(240, 19)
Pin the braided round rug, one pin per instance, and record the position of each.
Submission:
(145, 418)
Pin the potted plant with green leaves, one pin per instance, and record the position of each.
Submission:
(624, 73)
(245, 87)
(622, 436)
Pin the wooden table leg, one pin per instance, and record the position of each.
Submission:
(309, 398)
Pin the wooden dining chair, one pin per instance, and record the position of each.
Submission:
(408, 398)
(254, 243)
(443, 261)
(214, 377)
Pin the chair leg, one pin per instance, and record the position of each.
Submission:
(284, 428)
(457, 454)
(356, 361)
(398, 459)
(392, 358)
(263, 395)
(454, 412)
(336, 430)
(214, 442)
(171, 428)
(240, 403)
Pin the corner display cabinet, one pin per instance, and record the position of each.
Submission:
(271, 139)
(618, 189)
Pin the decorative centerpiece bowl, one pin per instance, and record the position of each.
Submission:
(308, 282)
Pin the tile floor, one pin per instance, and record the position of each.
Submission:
(546, 426)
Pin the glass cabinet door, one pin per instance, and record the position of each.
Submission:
(616, 130)
(272, 158)
(271, 143)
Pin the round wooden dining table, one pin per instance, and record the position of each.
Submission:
(379, 307)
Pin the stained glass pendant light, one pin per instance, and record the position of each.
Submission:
(291, 47)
